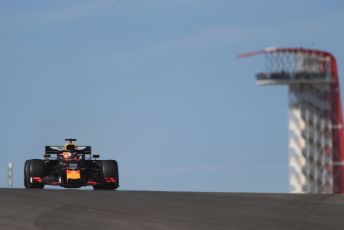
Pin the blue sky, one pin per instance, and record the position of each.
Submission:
(156, 85)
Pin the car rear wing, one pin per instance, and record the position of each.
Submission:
(57, 149)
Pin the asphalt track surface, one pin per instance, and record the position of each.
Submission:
(77, 209)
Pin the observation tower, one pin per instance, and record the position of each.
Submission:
(316, 144)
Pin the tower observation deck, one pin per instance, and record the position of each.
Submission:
(316, 144)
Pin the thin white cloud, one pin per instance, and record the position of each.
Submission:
(298, 33)
(54, 14)
(213, 36)
(171, 3)
(217, 36)
(71, 12)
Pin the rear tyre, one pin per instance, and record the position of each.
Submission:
(109, 169)
(33, 168)
(26, 173)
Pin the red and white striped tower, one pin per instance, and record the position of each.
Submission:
(316, 144)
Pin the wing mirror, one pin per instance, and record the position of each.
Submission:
(96, 156)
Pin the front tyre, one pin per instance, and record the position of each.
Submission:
(109, 169)
(33, 168)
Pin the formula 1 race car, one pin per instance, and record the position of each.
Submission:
(71, 166)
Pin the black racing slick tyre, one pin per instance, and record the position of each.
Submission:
(109, 169)
(26, 172)
(33, 168)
